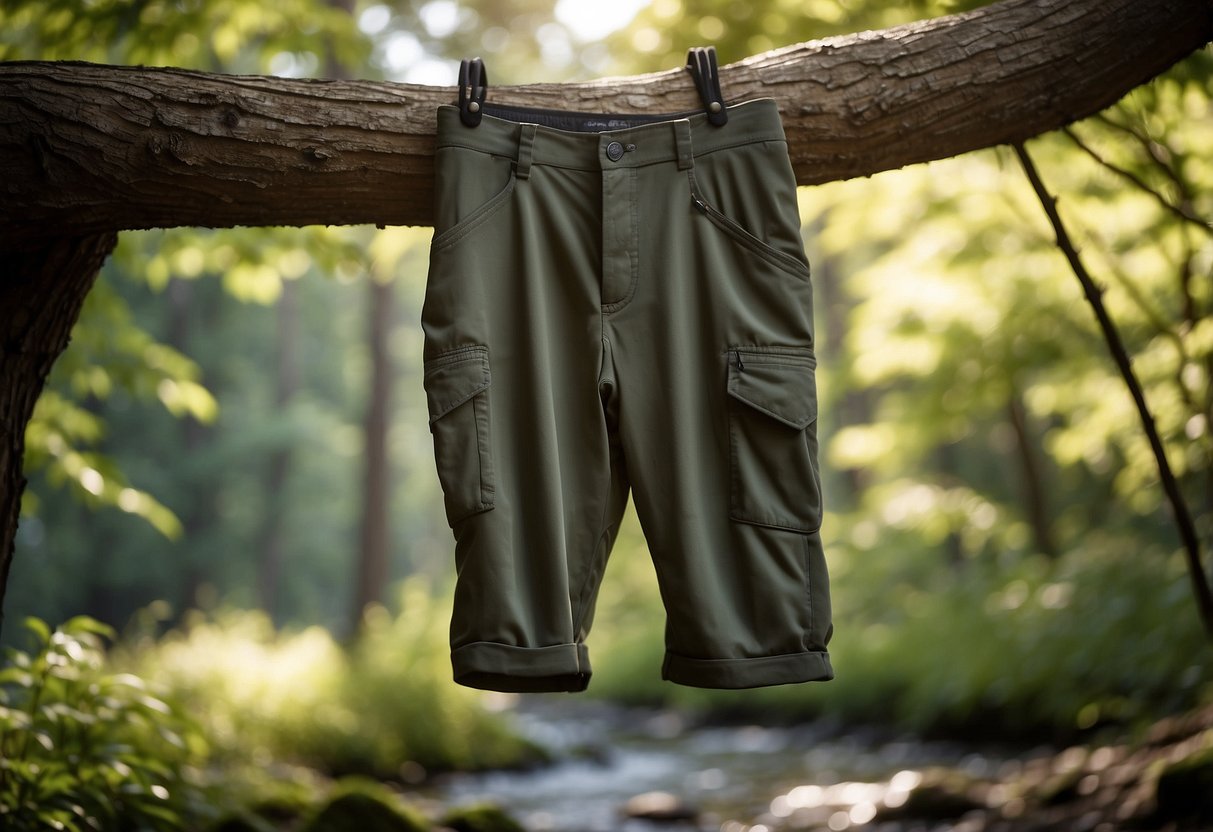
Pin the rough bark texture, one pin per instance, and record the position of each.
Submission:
(41, 292)
(92, 148)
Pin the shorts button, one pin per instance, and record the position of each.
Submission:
(614, 151)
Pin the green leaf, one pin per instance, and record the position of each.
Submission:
(18, 676)
(41, 631)
(86, 624)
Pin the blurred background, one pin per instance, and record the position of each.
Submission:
(209, 479)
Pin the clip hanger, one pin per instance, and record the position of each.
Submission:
(701, 63)
(473, 88)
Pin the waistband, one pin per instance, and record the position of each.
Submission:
(627, 140)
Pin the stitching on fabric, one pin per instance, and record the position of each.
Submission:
(790, 265)
(475, 219)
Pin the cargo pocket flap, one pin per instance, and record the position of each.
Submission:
(781, 386)
(453, 378)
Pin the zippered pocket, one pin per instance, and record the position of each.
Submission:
(795, 266)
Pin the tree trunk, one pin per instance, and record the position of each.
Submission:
(271, 548)
(948, 464)
(91, 148)
(41, 291)
(375, 537)
(1035, 496)
(198, 511)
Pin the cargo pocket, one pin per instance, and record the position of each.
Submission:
(457, 392)
(773, 437)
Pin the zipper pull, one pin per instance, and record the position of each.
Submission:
(696, 199)
(737, 355)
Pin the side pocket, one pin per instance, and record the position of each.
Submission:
(775, 480)
(469, 188)
(457, 392)
(792, 264)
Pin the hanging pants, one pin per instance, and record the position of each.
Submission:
(625, 304)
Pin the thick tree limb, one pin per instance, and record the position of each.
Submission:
(41, 292)
(86, 148)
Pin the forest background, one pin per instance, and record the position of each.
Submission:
(231, 464)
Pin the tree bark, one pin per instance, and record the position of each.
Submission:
(41, 292)
(92, 148)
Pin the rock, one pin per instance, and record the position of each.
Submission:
(480, 819)
(363, 812)
(939, 795)
(1185, 788)
(236, 823)
(1060, 788)
(660, 807)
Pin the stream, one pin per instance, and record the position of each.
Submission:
(722, 778)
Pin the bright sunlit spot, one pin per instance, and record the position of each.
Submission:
(402, 52)
(92, 481)
(590, 21)
(374, 19)
(440, 18)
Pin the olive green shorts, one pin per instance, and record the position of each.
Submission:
(621, 303)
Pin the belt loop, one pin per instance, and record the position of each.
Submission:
(682, 137)
(526, 144)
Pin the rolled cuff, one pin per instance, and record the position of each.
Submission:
(505, 667)
(748, 673)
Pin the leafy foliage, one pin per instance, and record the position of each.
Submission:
(216, 35)
(85, 746)
(385, 709)
(84, 749)
(110, 352)
(665, 29)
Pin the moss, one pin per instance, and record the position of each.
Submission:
(481, 819)
(237, 823)
(359, 806)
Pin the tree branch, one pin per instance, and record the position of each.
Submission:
(1181, 212)
(1179, 507)
(87, 148)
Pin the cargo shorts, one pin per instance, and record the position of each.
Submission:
(615, 304)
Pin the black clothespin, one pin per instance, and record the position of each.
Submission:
(701, 63)
(473, 88)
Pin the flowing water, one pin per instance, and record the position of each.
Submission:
(727, 778)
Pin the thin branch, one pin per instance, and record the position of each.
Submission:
(1183, 518)
(1160, 325)
(1138, 183)
(1151, 146)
